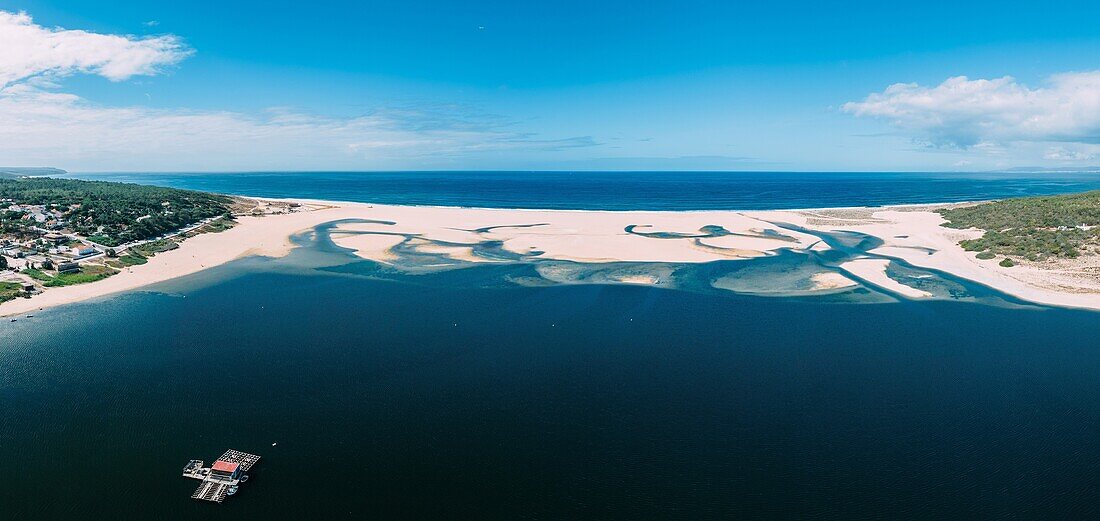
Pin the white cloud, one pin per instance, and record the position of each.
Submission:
(40, 125)
(54, 128)
(1065, 154)
(963, 113)
(28, 50)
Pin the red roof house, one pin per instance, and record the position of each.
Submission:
(227, 467)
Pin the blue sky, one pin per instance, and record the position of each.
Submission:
(550, 85)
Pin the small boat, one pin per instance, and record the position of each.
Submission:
(244, 477)
(232, 490)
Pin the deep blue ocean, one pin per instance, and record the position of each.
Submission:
(626, 190)
(460, 394)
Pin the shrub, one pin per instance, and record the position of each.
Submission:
(1035, 228)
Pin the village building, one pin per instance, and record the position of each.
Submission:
(83, 250)
(223, 470)
(223, 477)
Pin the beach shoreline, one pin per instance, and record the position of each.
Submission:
(910, 232)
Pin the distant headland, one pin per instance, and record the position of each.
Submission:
(29, 171)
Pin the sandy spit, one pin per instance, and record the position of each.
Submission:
(913, 234)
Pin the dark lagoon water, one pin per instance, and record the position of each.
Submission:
(627, 190)
(532, 391)
(449, 399)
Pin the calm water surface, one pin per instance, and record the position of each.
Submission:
(627, 190)
(465, 394)
(447, 396)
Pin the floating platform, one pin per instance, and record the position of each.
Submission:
(222, 478)
(245, 459)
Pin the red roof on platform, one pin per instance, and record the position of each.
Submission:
(225, 466)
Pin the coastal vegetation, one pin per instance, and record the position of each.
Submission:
(1032, 228)
(86, 273)
(15, 172)
(127, 260)
(152, 248)
(61, 232)
(10, 291)
(108, 214)
(215, 226)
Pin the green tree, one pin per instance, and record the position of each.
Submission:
(112, 213)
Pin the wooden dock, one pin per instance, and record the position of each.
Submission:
(211, 491)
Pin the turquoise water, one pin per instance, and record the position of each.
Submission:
(535, 390)
(627, 190)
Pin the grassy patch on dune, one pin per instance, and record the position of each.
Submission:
(127, 260)
(152, 248)
(131, 259)
(37, 274)
(10, 291)
(215, 226)
(88, 273)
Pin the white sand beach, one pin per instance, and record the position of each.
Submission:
(913, 234)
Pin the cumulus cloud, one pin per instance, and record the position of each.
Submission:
(961, 112)
(28, 50)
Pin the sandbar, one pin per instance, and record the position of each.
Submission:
(912, 234)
